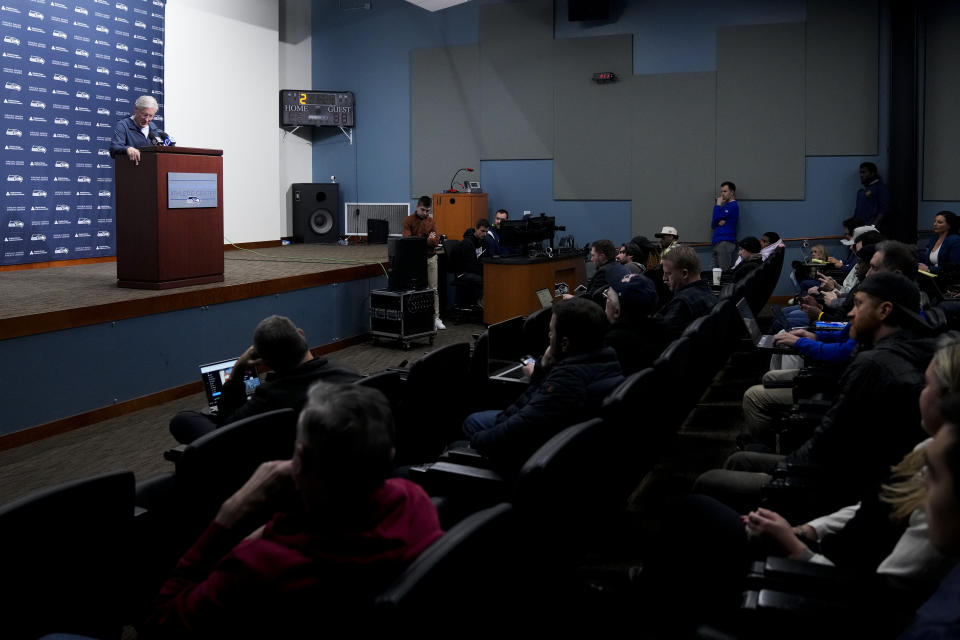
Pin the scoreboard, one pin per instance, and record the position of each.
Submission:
(316, 108)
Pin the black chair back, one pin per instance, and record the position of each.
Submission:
(434, 404)
(65, 558)
(470, 563)
(389, 382)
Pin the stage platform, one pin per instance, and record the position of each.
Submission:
(64, 297)
(77, 349)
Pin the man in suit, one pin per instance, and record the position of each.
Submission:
(131, 133)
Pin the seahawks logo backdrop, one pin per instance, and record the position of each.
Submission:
(70, 71)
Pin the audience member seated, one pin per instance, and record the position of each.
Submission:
(851, 258)
(770, 242)
(567, 386)
(281, 346)
(834, 306)
(668, 239)
(944, 247)
(649, 252)
(321, 532)
(466, 262)
(883, 536)
(749, 258)
(760, 403)
(692, 297)
(939, 617)
(635, 334)
(629, 256)
(874, 420)
(603, 254)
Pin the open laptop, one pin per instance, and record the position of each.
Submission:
(506, 350)
(545, 298)
(760, 341)
(215, 374)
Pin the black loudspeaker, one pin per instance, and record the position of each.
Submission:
(408, 263)
(377, 231)
(316, 212)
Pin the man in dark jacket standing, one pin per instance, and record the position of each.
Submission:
(566, 387)
(281, 346)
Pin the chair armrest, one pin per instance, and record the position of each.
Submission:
(458, 481)
(155, 491)
(466, 456)
(805, 578)
(175, 454)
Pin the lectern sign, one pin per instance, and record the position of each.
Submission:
(191, 190)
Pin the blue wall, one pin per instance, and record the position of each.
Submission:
(91, 367)
(367, 52)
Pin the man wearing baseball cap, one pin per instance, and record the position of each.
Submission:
(873, 423)
(635, 334)
(668, 239)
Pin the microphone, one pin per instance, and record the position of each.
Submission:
(451, 189)
(153, 138)
(168, 140)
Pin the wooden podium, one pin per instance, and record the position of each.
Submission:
(454, 213)
(160, 246)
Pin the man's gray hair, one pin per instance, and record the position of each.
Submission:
(347, 435)
(146, 102)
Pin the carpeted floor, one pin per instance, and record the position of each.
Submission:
(34, 291)
(137, 441)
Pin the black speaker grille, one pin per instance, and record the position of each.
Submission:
(321, 221)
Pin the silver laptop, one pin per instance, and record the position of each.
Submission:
(766, 342)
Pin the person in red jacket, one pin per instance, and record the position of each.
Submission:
(338, 534)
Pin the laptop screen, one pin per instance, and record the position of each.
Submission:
(749, 320)
(215, 374)
(546, 299)
(506, 340)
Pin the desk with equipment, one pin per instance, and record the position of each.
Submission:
(510, 284)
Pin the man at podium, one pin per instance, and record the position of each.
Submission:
(131, 133)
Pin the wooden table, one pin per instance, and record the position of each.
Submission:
(510, 284)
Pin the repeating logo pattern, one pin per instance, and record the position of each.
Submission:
(69, 72)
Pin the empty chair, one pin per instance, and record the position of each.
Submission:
(389, 382)
(65, 558)
(434, 404)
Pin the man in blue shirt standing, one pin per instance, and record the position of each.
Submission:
(724, 225)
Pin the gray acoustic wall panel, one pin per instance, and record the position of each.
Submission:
(591, 142)
(842, 75)
(941, 127)
(444, 118)
(516, 87)
(760, 110)
(674, 134)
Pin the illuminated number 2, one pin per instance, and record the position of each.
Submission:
(303, 98)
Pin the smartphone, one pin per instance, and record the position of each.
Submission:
(582, 288)
(525, 360)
